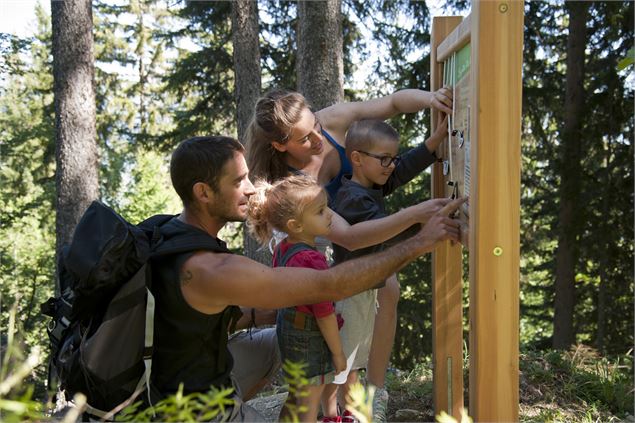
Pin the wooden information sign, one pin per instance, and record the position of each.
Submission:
(480, 58)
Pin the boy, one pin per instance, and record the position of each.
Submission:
(371, 147)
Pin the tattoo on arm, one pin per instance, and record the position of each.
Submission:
(186, 277)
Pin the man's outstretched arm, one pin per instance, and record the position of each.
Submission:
(212, 281)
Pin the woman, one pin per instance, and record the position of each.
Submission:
(286, 137)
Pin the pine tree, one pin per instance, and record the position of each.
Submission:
(27, 179)
(320, 64)
(76, 146)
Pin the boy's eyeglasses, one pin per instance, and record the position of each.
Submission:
(384, 161)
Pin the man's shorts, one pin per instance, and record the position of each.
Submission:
(256, 357)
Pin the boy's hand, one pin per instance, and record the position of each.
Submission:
(440, 227)
(339, 362)
(427, 209)
(442, 129)
(439, 135)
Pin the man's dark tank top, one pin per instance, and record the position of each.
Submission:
(190, 346)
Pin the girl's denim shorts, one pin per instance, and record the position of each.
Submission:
(304, 345)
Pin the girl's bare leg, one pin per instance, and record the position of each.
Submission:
(343, 391)
(329, 400)
(311, 402)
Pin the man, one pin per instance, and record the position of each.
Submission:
(197, 293)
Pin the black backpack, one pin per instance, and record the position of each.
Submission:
(101, 333)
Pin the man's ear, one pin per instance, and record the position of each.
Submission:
(279, 146)
(202, 192)
(294, 226)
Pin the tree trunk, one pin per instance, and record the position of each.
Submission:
(320, 65)
(76, 176)
(245, 34)
(246, 61)
(143, 75)
(604, 259)
(571, 173)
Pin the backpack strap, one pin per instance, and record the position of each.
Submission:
(167, 237)
(292, 251)
(156, 220)
(188, 242)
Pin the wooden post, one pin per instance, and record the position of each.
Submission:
(447, 314)
(494, 245)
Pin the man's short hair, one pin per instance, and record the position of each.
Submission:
(200, 159)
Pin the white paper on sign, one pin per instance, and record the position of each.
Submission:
(340, 378)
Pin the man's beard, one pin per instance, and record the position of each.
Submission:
(224, 214)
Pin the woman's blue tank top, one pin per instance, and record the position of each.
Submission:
(345, 168)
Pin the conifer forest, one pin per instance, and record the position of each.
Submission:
(167, 70)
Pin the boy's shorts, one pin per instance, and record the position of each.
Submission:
(359, 313)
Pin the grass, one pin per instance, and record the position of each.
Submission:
(577, 385)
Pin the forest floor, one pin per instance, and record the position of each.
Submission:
(574, 386)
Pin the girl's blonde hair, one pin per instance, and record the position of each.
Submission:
(272, 206)
(275, 115)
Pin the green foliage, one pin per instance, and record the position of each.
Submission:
(413, 339)
(27, 184)
(195, 407)
(412, 387)
(581, 376)
(402, 30)
(628, 60)
(208, 406)
(202, 79)
(152, 92)
(360, 401)
(16, 397)
(578, 385)
(134, 110)
(148, 192)
(604, 243)
(446, 418)
(294, 375)
(278, 44)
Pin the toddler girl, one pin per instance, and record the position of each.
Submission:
(309, 333)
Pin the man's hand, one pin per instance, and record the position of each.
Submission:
(440, 227)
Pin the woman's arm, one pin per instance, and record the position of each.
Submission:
(337, 118)
(373, 232)
(331, 334)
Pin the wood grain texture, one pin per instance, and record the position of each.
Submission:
(458, 38)
(447, 305)
(497, 42)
